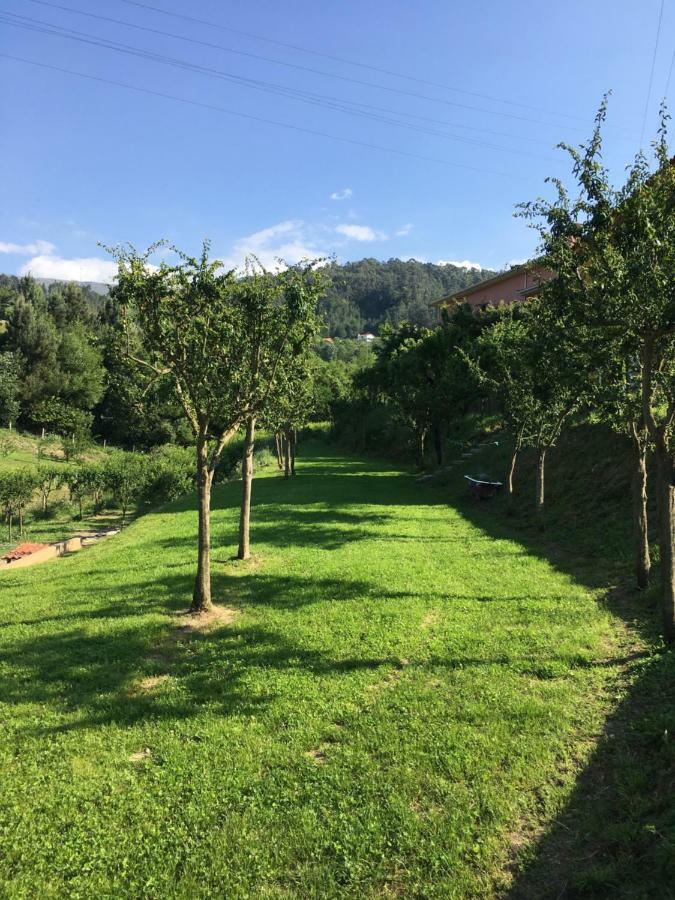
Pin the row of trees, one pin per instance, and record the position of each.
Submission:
(599, 339)
(119, 480)
(235, 351)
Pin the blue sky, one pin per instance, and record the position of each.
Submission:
(493, 87)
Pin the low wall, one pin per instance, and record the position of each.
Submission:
(50, 552)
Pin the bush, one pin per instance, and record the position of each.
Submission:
(263, 458)
(170, 473)
(126, 477)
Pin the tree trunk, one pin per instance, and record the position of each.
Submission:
(201, 597)
(421, 438)
(279, 441)
(438, 444)
(287, 454)
(509, 480)
(540, 482)
(9, 527)
(294, 444)
(666, 509)
(640, 522)
(44, 504)
(247, 483)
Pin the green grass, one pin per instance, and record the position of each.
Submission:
(403, 700)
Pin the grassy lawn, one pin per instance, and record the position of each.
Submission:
(403, 696)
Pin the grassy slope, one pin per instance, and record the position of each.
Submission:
(62, 521)
(401, 694)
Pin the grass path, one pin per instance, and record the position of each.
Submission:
(397, 696)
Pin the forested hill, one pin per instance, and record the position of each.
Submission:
(367, 293)
(363, 295)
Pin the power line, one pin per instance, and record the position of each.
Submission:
(303, 96)
(527, 137)
(651, 74)
(670, 72)
(340, 59)
(254, 118)
(321, 72)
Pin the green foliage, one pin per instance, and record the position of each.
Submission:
(10, 387)
(170, 473)
(17, 487)
(366, 294)
(126, 477)
(47, 478)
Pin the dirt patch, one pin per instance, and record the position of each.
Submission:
(140, 755)
(317, 755)
(149, 684)
(430, 619)
(190, 624)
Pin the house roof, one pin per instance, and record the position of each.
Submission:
(480, 285)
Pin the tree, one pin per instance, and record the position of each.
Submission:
(126, 476)
(193, 333)
(17, 487)
(532, 367)
(10, 388)
(614, 254)
(403, 378)
(47, 479)
(279, 312)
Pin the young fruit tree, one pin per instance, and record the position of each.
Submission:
(291, 407)
(532, 367)
(279, 311)
(17, 487)
(193, 331)
(614, 254)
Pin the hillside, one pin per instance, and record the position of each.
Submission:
(362, 296)
(365, 294)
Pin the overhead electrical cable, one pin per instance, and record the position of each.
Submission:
(670, 72)
(526, 137)
(250, 116)
(339, 59)
(303, 96)
(651, 74)
(346, 78)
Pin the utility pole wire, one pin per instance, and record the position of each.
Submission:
(670, 72)
(296, 66)
(334, 58)
(329, 103)
(529, 137)
(231, 112)
(651, 74)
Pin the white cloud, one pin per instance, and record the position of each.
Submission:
(461, 264)
(38, 247)
(361, 233)
(344, 194)
(89, 268)
(406, 229)
(288, 241)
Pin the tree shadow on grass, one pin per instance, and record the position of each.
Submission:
(615, 836)
(91, 673)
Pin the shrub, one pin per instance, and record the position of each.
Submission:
(263, 458)
(170, 473)
(126, 477)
